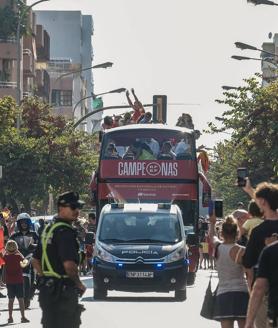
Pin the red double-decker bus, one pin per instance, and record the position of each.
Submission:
(151, 163)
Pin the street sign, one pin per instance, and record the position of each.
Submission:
(97, 103)
(159, 109)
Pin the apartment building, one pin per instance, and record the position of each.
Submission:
(270, 60)
(71, 50)
(35, 50)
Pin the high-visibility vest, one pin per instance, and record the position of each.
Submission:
(47, 268)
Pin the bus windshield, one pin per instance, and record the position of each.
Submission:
(148, 144)
(140, 228)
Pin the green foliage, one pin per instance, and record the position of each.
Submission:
(44, 155)
(9, 20)
(252, 120)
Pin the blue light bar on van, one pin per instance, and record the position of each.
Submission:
(165, 206)
(120, 265)
(159, 265)
(117, 205)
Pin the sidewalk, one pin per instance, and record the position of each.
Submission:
(34, 313)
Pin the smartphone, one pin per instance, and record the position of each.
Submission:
(242, 174)
(204, 226)
(210, 207)
(218, 208)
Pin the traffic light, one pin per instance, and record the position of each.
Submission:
(159, 109)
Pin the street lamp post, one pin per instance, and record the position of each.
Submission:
(102, 65)
(18, 55)
(227, 87)
(266, 59)
(120, 90)
(262, 2)
(102, 110)
(245, 46)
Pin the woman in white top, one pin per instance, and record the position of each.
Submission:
(232, 292)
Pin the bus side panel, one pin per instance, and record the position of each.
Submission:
(154, 192)
(153, 169)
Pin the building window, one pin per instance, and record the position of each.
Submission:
(62, 97)
(6, 72)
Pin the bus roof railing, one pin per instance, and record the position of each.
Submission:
(152, 126)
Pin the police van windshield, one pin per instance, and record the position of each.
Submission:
(148, 145)
(140, 228)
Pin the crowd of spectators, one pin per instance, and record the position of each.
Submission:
(18, 239)
(246, 256)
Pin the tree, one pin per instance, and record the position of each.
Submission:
(46, 154)
(252, 121)
(9, 19)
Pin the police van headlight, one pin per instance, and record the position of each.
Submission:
(177, 255)
(103, 255)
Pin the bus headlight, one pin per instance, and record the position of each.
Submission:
(103, 255)
(177, 255)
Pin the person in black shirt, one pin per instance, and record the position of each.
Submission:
(92, 226)
(56, 262)
(267, 280)
(266, 197)
(27, 241)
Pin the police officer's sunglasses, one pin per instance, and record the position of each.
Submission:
(72, 207)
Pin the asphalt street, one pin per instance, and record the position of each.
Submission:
(125, 310)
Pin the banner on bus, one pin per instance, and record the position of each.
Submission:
(147, 191)
(159, 169)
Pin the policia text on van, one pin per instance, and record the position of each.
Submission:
(140, 248)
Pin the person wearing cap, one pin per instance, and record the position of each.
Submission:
(56, 262)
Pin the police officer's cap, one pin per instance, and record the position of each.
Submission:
(70, 199)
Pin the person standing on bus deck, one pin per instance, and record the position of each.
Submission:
(137, 106)
(56, 262)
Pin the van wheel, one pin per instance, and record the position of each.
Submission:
(180, 295)
(100, 293)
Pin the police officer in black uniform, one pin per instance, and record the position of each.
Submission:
(56, 262)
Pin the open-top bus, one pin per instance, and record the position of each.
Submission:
(125, 175)
(135, 166)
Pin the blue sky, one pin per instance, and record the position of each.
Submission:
(180, 48)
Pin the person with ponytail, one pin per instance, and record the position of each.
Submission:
(232, 291)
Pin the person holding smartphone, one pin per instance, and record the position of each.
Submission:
(266, 197)
(232, 292)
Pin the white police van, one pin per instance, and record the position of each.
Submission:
(140, 248)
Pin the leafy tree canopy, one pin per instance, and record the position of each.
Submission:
(46, 154)
(9, 16)
(252, 121)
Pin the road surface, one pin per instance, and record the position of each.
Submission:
(126, 310)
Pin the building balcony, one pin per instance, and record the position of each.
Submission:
(42, 84)
(8, 49)
(42, 44)
(28, 63)
(7, 89)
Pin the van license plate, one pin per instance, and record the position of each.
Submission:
(132, 274)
